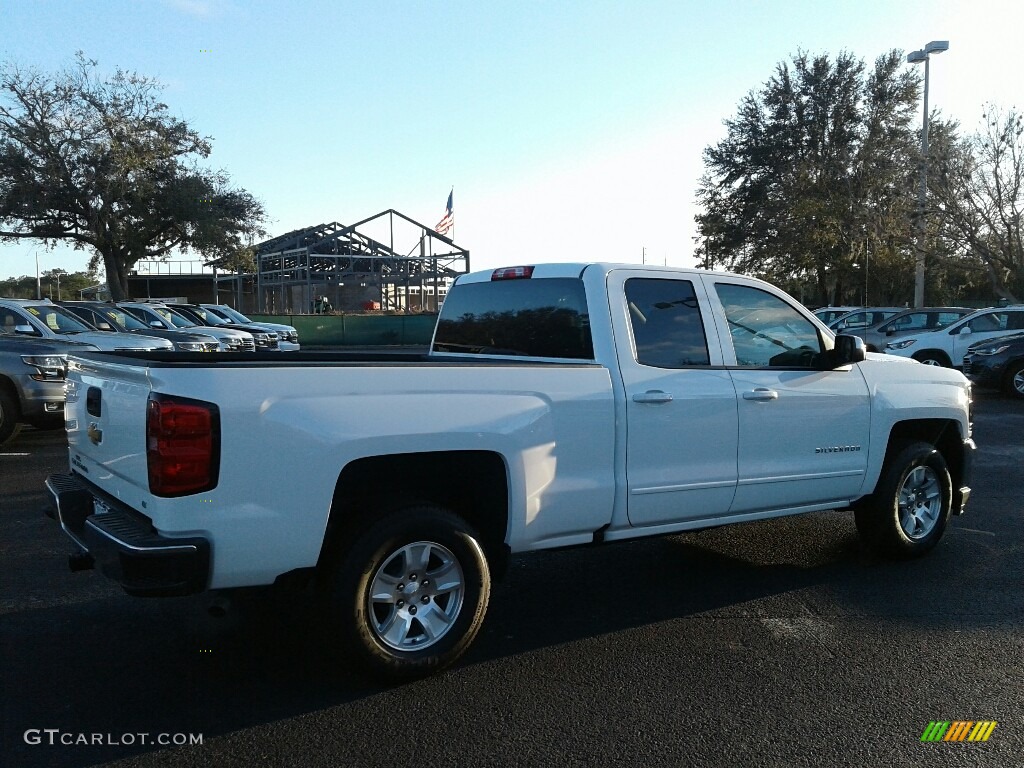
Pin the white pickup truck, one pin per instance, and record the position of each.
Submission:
(559, 405)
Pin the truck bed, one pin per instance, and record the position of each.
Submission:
(307, 359)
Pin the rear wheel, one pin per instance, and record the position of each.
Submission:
(9, 426)
(1015, 380)
(909, 510)
(411, 592)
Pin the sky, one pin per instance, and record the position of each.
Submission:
(569, 131)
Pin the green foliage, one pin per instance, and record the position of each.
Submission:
(977, 188)
(54, 283)
(103, 164)
(815, 175)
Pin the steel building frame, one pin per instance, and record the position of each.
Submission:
(296, 267)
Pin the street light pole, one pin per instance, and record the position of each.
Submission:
(935, 46)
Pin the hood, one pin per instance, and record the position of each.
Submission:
(24, 345)
(111, 342)
(998, 341)
(879, 357)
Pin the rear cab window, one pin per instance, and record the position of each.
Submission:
(530, 317)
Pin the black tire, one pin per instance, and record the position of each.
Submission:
(48, 422)
(9, 426)
(414, 629)
(1015, 380)
(933, 357)
(909, 510)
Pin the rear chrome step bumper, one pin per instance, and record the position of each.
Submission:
(124, 543)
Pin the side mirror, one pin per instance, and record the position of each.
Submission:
(891, 332)
(26, 330)
(849, 350)
(965, 330)
(156, 324)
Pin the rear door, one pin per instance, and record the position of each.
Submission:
(803, 431)
(681, 422)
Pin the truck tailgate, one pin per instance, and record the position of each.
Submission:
(106, 424)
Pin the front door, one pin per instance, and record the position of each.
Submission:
(803, 431)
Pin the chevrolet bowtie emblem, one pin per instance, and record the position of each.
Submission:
(95, 433)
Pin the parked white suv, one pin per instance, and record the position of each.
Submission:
(948, 346)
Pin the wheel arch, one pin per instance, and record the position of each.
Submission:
(1011, 368)
(944, 434)
(8, 387)
(938, 354)
(472, 484)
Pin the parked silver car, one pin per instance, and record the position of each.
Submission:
(828, 314)
(113, 319)
(853, 322)
(46, 321)
(32, 382)
(909, 321)
(288, 335)
(158, 315)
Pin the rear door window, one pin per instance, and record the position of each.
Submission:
(666, 323)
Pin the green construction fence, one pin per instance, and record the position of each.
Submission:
(357, 330)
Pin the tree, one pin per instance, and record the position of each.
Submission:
(978, 188)
(103, 165)
(70, 284)
(814, 176)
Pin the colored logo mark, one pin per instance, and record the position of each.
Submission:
(959, 730)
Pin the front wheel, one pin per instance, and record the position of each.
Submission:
(9, 426)
(1015, 380)
(933, 357)
(909, 510)
(411, 592)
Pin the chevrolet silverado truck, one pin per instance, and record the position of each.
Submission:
(559, 405)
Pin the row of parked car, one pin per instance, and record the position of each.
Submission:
(987, 344)
(37, 335)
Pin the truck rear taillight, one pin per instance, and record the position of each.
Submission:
(182, 445)
(512, 273)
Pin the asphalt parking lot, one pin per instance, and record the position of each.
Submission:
(778, 643)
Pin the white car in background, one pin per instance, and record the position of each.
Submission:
(948, 346)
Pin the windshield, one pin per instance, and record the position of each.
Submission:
(210, 318)
(173, 318)
(230, 313)
(57, 320)
(123, 319)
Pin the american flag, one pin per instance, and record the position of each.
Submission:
(448, 221)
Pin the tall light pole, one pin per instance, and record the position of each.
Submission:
(935, 46)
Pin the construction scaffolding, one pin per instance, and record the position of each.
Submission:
(386, 262)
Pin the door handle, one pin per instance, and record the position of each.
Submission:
(761, 394)
(652, 396)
